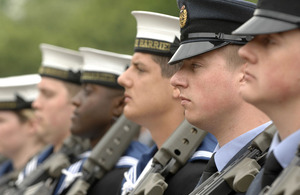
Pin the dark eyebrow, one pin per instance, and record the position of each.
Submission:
(43, 89)
(138, 63)
(280, 34)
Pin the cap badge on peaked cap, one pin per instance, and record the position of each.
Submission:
(183, 16)
(206, 25)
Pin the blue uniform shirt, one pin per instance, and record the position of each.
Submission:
(135, 173)
(130, 158)
(6, 167)
(34, 163)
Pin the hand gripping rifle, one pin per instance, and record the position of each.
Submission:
(238, 176)
(288, 182)
(51, 167)
(105, 154)
(173, 154)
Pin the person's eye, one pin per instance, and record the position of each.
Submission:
(139, 68)
(195, 66)
(47, 93)
(87, 90)
(269, 40)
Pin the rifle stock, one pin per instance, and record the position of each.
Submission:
(238, 176)
(52, 167)
(173, 154)
(6, 181)
(105, 154)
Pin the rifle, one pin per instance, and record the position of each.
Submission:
(238, 176)
(7, 180)
(105, 154)
(288, 181)
(173, 154)
(51, 168)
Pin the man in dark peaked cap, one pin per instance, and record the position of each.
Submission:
(211, 74)
(272, 79)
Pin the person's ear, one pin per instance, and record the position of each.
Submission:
(118, 106)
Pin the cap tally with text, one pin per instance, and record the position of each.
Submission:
(206, 25)
(18, 92)
(156, 33)
(103, 67)
(272, 16)
(61, 63)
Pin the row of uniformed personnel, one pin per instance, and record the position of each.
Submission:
(233, 74)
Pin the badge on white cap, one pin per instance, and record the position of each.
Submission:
(61, 63)
(18, 92)
(103, 67)
(156, 33)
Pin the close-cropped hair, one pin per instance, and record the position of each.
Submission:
(72, 89)
(25, 115)
(166, 69)
(232, 57)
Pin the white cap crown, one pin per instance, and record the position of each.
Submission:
(103, 67)
(156, 33)
(18, 92)
(156, 26)
(60, 63)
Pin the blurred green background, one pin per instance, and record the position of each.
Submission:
(106, 25)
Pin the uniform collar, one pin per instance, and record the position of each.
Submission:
(225, 153)
(285, 150)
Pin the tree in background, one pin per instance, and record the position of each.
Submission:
(105, 25)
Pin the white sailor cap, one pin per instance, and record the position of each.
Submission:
(18, 92)
(61, 63)
(103, 67)
(156, 33)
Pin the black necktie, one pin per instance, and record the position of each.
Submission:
(271, 170)
(209, 170)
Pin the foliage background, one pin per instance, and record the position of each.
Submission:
(106, 25)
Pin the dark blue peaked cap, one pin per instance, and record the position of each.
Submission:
(272, 16)
(207, 25)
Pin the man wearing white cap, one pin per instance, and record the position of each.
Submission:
(150, 102)
(272, 82)
(99, 104)
(19, 140)
(60, 71)
(60, 81)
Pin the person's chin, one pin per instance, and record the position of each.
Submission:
(247, 93)
(130, 113)
(74, 130)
